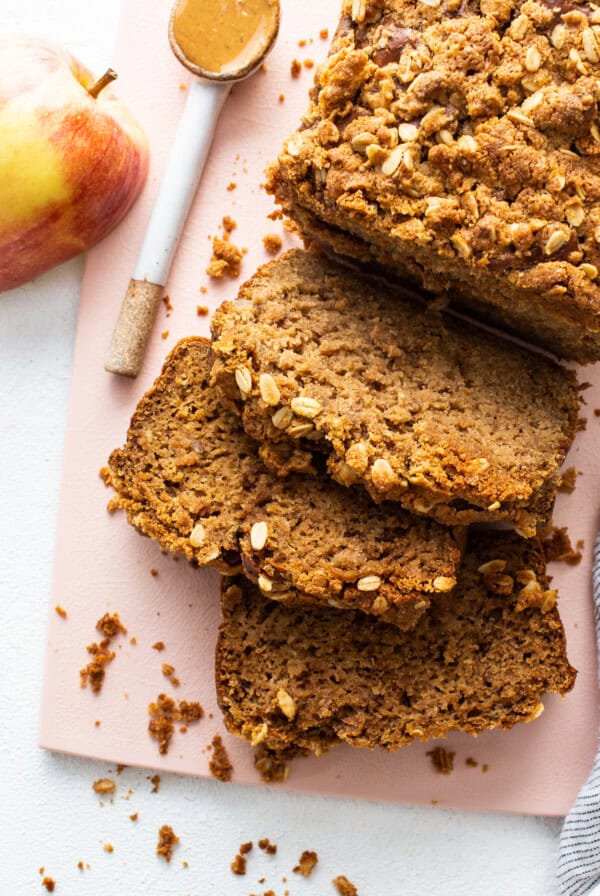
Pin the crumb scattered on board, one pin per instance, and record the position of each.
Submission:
(167, 841)
(165, 712)
(272, 243)
(202, 310)
(108, 847)
(245, 848)
(442, 760)
(169, 672)
(226, 260)
(49, 883)
(344, 886)
(295, 68)
(104, 786)
(557, 547)
(61, 611)
(93, 674)
(306, 863)
(220, 765)
(472, 763)
(158, 645)
(134, 816)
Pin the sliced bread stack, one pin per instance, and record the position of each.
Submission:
(327, 390)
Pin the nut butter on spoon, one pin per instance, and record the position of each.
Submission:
(220, 41)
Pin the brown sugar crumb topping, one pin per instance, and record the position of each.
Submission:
(266, 846)
(306, 863)
(272, 243)
(164, 713)
(568, 480)
(295, 68)
(344, 886)
(442, 760)
(167, 841)
(110, 625)
(238, 865)
(220, 765)
(557, 547)
(158, 645)
(61, 611)
(104, 786)
(49, 883)
(226, 259)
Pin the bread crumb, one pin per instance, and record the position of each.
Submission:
(104, 785)
(484, 767)
(442, 760)
(295, 68)
(167, 303)
(133, 640)
(472, 763)
(281, 97)
(110, 625)
(238, 865)
(302, 43)
(164, 334)
(231, 186)
(182, 86)
(185, 864)
(94, 673)
(308, 63)
(202, 310)
(266, 846)
(306, 863)
(108, 847)
(97, 723)
(164, 712)
(228, 224)
(568, 481)
(557, 547)
(245, 848)
(61, 611)
(272, 243)
(343, 886)
(220, 765)
(155, 781)
(80, 865)
(158, 645)
(226, 259)
(134, 816)
(167, 841)
(263, 68)
(324, 33)
(49, 883)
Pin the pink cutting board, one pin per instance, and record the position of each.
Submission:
(102, 564)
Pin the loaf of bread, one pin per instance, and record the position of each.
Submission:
(456, 145)
(481, 658)
(190, 478)
(450, 421)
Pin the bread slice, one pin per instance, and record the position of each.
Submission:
(190, 478)
(481, 658)
(455, 145)
(450, 421)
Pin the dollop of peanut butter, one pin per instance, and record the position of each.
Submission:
(223, 36)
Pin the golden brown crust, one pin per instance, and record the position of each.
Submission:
(457, 145)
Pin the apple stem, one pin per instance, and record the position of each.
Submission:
(108, 76)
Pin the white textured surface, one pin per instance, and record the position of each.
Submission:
(49, 813)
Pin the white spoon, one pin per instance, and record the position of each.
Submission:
(235, 35)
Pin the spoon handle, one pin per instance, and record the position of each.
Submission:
(179, 184)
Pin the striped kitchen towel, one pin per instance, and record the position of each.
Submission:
(579, 858)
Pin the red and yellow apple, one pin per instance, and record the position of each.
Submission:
(71, 164)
